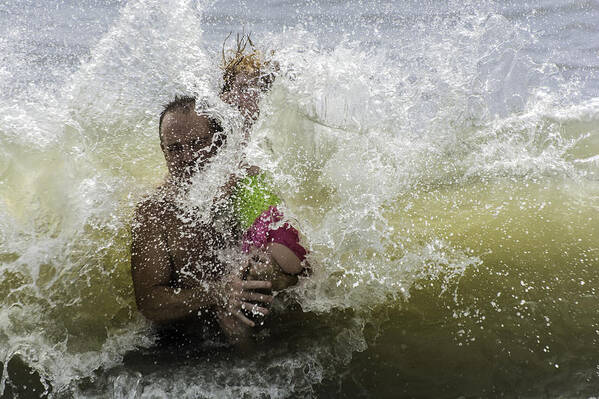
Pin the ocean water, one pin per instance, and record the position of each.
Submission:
(440, 158)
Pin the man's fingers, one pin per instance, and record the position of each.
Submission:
(282, 281)
(256, 297)
(244, 319)
(242, 271)
(256, 285)
(255, 309)
(259, 256)
(260, 273)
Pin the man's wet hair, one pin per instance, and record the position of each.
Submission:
(184, 103)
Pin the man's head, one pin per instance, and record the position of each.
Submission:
(186, 138)
(246, 74)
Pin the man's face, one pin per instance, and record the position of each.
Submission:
(245, 93)
(187, 142)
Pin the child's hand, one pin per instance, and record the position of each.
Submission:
(253, 170)
(250, 170)
(227, 189)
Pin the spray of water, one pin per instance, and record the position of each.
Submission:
(405, 167)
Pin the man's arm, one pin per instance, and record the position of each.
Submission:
(160, 302)
(151, 272)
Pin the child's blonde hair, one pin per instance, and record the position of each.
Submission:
(245, 58)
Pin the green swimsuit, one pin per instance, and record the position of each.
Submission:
(251, 197)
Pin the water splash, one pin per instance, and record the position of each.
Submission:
(422, 167)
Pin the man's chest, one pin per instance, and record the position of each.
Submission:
(193, 250)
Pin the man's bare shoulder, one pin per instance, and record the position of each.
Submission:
(153, 208)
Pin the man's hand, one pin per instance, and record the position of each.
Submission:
(236, 332)
(238, 296)
(263, 267)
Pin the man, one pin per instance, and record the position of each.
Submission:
(177, 275)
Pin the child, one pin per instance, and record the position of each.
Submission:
(255, 208)
(254, 204)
